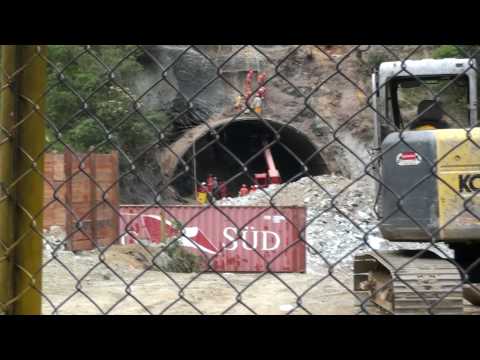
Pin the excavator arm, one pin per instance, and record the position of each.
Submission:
(273, 173)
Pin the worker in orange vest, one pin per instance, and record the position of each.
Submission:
(257, 104)
(262, 92)
(243, 190)
(223, 189)
(215, 192)
(248, 84)
(210, 183)
(261, 78)
(239, 102)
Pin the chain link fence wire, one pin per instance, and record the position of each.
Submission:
(174, 115)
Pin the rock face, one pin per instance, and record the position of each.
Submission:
(321, 90)
(191, 74)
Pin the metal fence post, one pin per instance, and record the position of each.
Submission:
(29, 190)
(7, 123)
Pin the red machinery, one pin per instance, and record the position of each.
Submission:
(272, 176)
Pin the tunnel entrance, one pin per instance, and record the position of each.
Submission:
(244, 139)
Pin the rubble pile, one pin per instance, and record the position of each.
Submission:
(340, 218)
(54, 238)
(120, 258)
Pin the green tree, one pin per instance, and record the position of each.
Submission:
(90, 94)
(90, 103)
(446, 51)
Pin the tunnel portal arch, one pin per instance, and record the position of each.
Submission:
(243, 139)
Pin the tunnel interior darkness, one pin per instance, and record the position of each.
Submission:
(244, 141)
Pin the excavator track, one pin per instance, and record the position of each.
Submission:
(408, 282)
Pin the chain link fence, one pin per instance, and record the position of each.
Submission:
(239, 179)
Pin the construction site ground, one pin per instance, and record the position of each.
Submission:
(210, 293)
(131, 290)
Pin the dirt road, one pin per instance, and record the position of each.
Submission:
(91, 288)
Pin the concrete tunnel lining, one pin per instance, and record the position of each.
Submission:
(242, 138)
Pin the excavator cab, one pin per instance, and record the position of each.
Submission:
(400, 87)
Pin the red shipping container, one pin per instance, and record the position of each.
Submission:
(231, 239)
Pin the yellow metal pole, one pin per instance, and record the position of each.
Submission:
(7, 209)
(29, 189)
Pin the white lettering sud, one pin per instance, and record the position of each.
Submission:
(269, 240)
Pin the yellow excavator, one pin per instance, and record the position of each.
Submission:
(428, 179)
